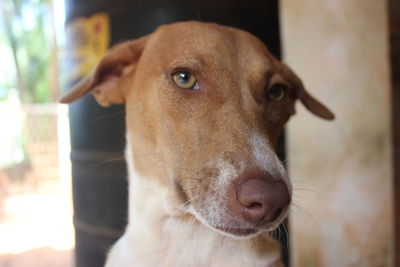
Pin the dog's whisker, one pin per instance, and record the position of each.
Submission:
(180, 168)
(250, 243)
(170, 218)
(301, 182)
(108, 116)
(279, 232)
(311, 190)
(108, 161)
(309, 216)
(327, 198)
(145, 155)
(192, 222)
(273, 232)
(190, 200)
(253, 242)
(269, 234)
(284, 162)
(173, 216)
(285, 227)
(297, 197)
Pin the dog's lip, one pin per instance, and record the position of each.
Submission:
(237, 231)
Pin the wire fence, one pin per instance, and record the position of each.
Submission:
(38, 172)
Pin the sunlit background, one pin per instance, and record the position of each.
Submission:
(35, 196)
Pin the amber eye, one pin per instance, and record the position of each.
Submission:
(277, 92)
(185, 80)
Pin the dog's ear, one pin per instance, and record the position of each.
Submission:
(308, 100)
(104, 80)
(314, 105)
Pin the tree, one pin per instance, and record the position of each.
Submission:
(27, 29)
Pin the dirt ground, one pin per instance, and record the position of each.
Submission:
(36, 230)
(41, 257)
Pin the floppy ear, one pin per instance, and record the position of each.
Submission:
(105, 79)
(312, 104)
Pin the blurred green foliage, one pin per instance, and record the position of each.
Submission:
(25, 49)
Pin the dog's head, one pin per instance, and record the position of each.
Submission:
(210, 101)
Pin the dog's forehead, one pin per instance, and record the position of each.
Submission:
(197, 40)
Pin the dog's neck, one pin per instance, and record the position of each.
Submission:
(159, 233)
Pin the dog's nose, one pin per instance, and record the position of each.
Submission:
(261, 200)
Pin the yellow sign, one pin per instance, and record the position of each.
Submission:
(88, 40)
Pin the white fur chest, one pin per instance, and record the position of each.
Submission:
(189, 245)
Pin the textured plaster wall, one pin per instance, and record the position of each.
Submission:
(341, 170)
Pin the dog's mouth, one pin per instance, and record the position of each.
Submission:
(236, 229)
(246, 231)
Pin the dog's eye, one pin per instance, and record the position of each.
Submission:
(185, 80)
(277, 92)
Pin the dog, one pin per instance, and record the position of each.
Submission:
(205, 105)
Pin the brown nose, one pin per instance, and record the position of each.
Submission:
(261, 200)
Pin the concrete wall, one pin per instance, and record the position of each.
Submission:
(341, 170)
